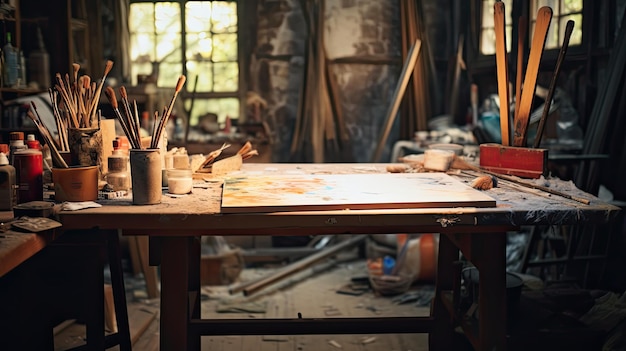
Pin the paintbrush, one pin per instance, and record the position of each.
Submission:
(546, 107)
(110, 94)
(484, 182)
(45, 134)
(96, 96)
(67, 100)
(163, 122)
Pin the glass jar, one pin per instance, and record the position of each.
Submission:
(118, 176)
(179, 181)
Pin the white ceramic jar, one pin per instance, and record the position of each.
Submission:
(179, 181)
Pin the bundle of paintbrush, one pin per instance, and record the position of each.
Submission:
(129, 117)
(74, 105)
(80, 98)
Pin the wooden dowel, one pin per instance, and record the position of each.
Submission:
(521, 38)
(555, 76)
(502, 68)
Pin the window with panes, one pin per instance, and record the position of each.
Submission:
(194, 38)
(562, 11)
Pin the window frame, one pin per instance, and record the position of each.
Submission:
(484, 62)
(187, 94)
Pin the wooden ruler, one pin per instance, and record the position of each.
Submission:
(503, 70)
(544, 16)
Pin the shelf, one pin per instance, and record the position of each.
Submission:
(21, 91)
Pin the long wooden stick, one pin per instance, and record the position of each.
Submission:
(522, 28)
(407, 70)
(301, 264)
(544, 16)
(503, 70)
(569, 27)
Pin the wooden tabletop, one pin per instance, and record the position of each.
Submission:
(200, 212)
(17, 247)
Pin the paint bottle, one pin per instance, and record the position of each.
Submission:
(16, 143)
(388, 264)
(119, 176)
(8, 194)
(11, 63)
(32, 143)
(28, 165)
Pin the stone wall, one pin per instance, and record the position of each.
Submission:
(354, 29)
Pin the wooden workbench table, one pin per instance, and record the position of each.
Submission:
(174, 225)
(17, 247)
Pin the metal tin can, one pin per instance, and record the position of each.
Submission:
(29, 173)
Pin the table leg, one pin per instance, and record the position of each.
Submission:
(490, 259)
(442, 335)
(119, 292)
(194, 288)
(93, 258)
(174, 296)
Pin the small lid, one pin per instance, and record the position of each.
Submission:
(16, 136)
(30, 137)
(4, 160)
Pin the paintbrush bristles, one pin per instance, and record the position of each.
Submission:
(110, 93)
(181, 82)
(107, 68)
(483, 183)
(86, 82)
